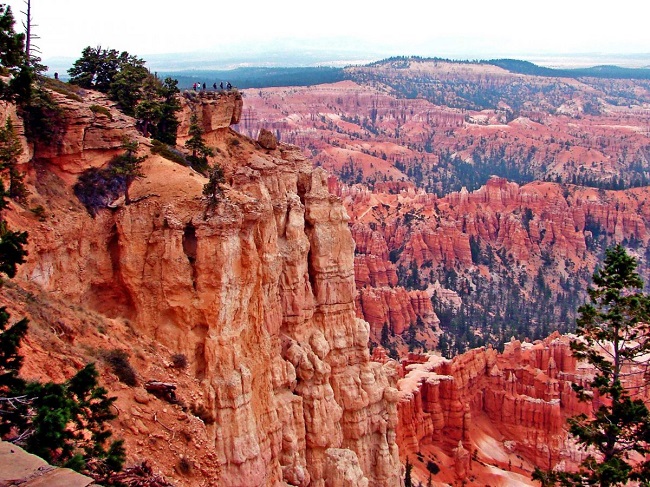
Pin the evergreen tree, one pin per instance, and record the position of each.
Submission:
(12, 252)
(12, 403)
(200, 151)
(96, 68)
(613, 337)
(12, 45)
(13, 60)
(168, 123)
(68, 425)
(148, 110)
(128, 166)
(13, 406)
(10, 150)
(127, 85)
(212, 189)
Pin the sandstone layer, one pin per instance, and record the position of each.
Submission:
(501, 409)
(257, 292)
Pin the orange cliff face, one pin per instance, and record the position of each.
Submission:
(507, 409)
(258, 293)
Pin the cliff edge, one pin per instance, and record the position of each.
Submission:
(257, 293)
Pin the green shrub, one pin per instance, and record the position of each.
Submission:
(39, 212)
(179, 361)
(168, 152)
(118, 360)
(96, 188)
(101, 110)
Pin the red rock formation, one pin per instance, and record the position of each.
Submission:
(258, 292)
(525, 392)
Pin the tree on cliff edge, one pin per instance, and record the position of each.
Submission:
(613, 337)
(127, 166)
(200, 151)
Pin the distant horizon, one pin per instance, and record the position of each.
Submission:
(206, 61)
(356, 31)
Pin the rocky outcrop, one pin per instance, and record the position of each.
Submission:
(17, 467)
(525, 392)
(258, 292)
(267, 140)
(380, 301)
(524, 220)
(215, 110)
(396, 308)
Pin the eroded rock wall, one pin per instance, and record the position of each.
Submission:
(257, 291)
(525, 392)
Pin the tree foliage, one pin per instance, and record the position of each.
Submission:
(10, 150)
(12, 45)
(127, 166)
(68, 425)
(12, 250)
(127, 86)
(212, 189)
(613, 337)
(138, 93)
(200, 151)
(168, 123)
(13, 60)
(97, 67)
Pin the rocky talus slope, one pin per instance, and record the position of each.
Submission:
(256, 292)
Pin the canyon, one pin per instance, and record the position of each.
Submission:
(480, 187)
(307, 302)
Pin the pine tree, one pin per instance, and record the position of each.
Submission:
(613, 337)
(12, 401)
(148, 111)
(69, 425)
(12, 52)
(13, 407)
(10, 150)
(200, 151)
(128, 166)
(212, 189)
(12, 252)
(127, 86)
(168, 123)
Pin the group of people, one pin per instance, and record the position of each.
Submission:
(198, 86)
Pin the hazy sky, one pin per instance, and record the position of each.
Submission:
(427, 28)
